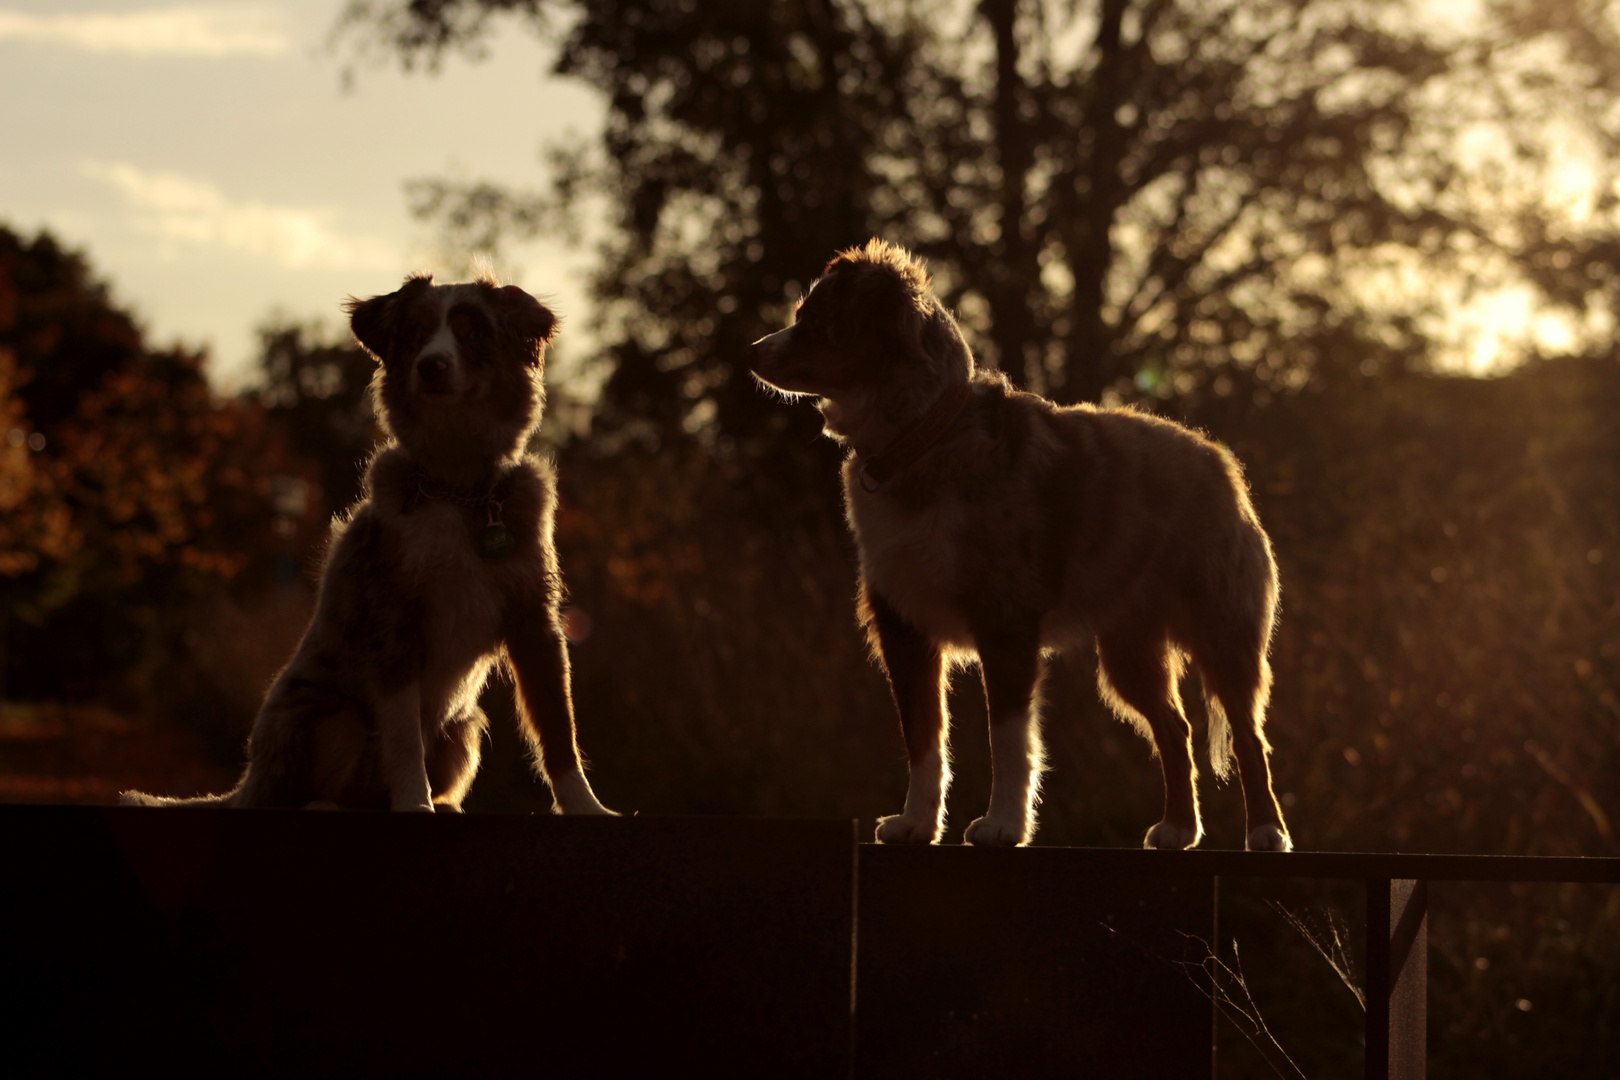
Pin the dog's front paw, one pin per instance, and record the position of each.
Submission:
(413, 807)
(899, 829)
(1168, 836)
(989, 831)
(585, 809)
(1268, 837)
(571, 795)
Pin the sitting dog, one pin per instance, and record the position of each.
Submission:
(443, 568)
(994, 524)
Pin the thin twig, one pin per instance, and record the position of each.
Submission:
(1244, 1015)
(1334, 949)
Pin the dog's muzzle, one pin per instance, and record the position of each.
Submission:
(762, 353)
(435, 374)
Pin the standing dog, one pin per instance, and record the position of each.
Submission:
(445, 564)
(992, 523)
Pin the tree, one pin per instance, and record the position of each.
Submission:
(736, 158)
(1172, 190)
(125, 483)
(1554, 171)
(1165, 191)
(316, 391)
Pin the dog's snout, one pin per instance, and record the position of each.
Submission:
(433, 372)
(764, 350)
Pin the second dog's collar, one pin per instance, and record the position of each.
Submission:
(915, 442)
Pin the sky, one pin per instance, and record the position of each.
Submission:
(211, 164)
(210, 161)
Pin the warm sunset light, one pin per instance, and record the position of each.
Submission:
(1093, 424)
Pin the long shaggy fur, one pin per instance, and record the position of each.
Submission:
(378, 707)
(1025, 528)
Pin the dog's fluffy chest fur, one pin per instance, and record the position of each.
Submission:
(428, 559)
(459, 589)
(911, 555)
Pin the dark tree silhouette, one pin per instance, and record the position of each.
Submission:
(60, 326)
(738, 156)
(125, 484)
(1163, 197)
(315, 389)
(1170, 189)
(1556, 70)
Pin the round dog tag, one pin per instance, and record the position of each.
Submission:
(496, 542)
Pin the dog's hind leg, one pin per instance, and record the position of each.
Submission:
(1239, 683)
(916, 672)
(1138, 675)
(1011, 667)
(1230, 633)
(453, 756)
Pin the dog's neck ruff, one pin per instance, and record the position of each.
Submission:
(878, 469)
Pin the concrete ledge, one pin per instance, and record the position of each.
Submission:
(265, 943)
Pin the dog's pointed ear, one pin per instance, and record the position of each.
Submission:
(374, 321)
(529, 318)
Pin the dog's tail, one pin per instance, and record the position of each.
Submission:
(141, 798)
(1240, 617)
(1220, 736)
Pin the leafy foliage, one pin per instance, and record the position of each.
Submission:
(127, 484)
(1138, 197)
(315, 390)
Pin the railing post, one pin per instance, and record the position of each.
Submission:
(1214, 964)
(1397, 978)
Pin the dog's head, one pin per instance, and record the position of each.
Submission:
(459, 366)
(869, 333)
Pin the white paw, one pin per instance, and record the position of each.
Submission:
(578, 808)
(997, 832)
(899, 829)
(571, 794)
(1268, 837)
(1168, 836)
(413, 807)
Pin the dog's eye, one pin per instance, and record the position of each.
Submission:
(472, 329)
(416, 326)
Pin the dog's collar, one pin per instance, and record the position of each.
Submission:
(426, 486)
(495, 541)
(877, 470)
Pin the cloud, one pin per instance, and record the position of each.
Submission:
(182, 30)
(175, 207)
